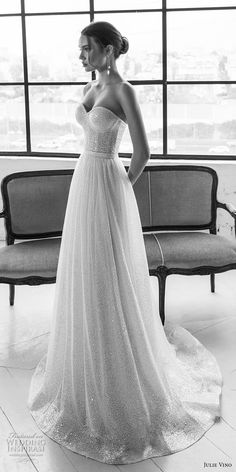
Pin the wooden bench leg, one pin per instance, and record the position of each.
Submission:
(161, 275)
(212, 276)
(12, 294)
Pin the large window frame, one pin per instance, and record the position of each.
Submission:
(164, 82)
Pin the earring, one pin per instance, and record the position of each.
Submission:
(108, 67)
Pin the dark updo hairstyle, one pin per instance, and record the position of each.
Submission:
(105, 33)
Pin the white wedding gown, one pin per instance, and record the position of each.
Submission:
(115, 385)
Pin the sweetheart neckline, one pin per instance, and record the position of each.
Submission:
(105, 108)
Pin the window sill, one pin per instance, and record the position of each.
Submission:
(125, 160)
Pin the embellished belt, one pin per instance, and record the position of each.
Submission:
(100, 155)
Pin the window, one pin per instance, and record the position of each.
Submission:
(201, 60)
(181, 60)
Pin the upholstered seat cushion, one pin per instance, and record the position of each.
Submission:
(187, 250)
(30, 258)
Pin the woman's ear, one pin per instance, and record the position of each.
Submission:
(109, 49)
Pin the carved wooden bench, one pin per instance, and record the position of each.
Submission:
(34, 205)
(178, 208)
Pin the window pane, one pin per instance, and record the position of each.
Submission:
(55, 5)
(11, 67)
(202, 119)
(209, 55)
(150, 101)
(54, 55)
(200, 3)
(126, 4)
(54, 127)
(12, 119)
(12, 6)
(143, 30)
(53, 124)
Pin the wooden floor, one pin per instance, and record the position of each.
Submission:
(210, 317)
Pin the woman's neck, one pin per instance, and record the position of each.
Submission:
(108, 79)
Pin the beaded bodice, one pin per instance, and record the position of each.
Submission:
(102, 127)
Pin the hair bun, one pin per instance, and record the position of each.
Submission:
(124, 45)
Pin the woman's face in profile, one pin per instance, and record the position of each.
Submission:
(91, 55)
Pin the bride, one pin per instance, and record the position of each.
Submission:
(115, 385)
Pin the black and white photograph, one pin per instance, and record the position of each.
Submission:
(117, 235)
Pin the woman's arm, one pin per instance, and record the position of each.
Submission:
(141, 152)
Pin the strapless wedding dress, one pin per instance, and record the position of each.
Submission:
(114, 384)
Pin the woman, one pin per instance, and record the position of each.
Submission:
(115, 386)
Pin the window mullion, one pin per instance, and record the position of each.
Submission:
(26, 80)
(164, 65)
(93, 75)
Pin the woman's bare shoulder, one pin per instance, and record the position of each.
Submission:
(126, 90)
(127, 94)
(125, 87)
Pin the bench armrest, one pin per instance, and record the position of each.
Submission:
(228, 207)
(2, 214)
(231, 210)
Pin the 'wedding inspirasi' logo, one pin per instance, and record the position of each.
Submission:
(19, 444)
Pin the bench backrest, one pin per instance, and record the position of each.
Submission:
(179, 197)
(35, 202)
(168, 197)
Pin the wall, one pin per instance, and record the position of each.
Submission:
(226, 171)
